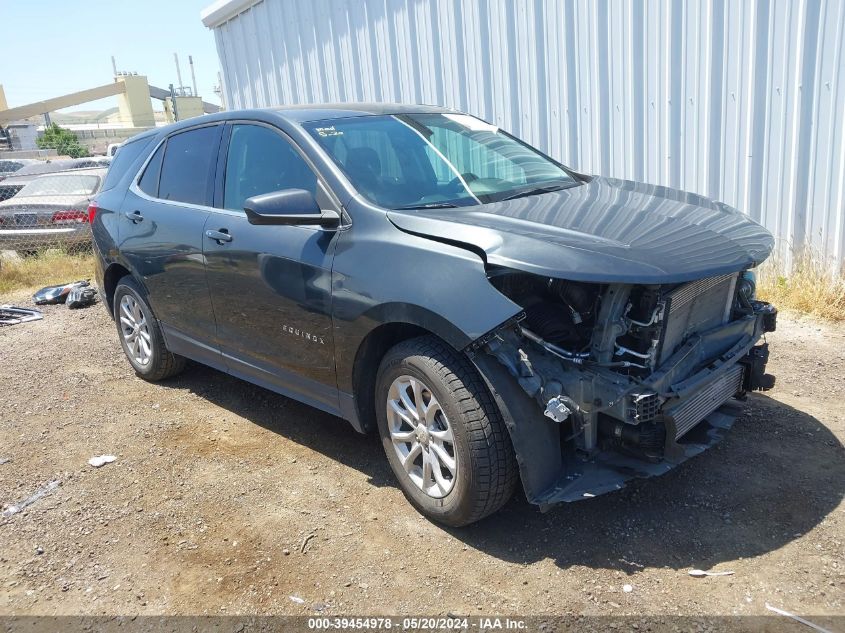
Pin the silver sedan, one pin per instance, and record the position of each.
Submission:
(51, 211)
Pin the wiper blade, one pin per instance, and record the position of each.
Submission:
(536, 191)
(429, 205)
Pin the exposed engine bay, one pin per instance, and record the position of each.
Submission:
(630, 379)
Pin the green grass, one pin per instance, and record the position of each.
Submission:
(50, 268)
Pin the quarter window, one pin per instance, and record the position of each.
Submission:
(187, 165)
(149, 181)
(260, 161)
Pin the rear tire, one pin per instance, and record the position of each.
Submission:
(140, 334)
(442, 433)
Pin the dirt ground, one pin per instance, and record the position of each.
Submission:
(228, 499)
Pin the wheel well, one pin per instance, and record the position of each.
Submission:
(371, 351)
(113, 274)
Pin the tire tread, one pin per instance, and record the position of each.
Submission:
(496, 473)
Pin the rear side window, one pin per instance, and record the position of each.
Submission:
(123, 160)
(187, 166)
(149, 181)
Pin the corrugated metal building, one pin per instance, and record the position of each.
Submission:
(740, 100)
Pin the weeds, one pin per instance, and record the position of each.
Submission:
(812, 286)
(49, 268)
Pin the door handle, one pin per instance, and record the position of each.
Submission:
(135, 216)
(219, 236)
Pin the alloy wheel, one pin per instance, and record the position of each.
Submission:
(135, 330)
(422, 436)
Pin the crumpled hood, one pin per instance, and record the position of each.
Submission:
(605, 230)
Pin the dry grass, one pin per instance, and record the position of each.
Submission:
(52, 267)
(812, 287)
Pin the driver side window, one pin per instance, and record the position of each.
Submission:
(260, 161)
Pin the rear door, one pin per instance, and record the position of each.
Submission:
(161, 237)
(271, 285)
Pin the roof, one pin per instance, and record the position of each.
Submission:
(27, 178)
(297, 114)
(222, 10)
(86, 171)
(321, 111)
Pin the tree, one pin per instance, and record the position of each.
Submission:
(62, 140)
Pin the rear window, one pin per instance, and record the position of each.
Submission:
(127, 154)
(80, 185)
(8, 166)
(187, 166)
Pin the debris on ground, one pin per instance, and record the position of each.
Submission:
(627, 588)
(12, 315)
(304, 545)
(38, 494)
(101, 460)
(797, 618)
(700, 573)
(297, 599)
(57, 294)
(81, 297)
(5, 460)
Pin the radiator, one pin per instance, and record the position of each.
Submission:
(695, 307)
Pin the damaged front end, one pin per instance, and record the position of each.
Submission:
(601, 383)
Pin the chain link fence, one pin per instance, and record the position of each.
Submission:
(44, 203)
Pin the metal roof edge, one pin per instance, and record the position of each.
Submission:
(223, 10)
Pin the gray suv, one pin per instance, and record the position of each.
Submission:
(494, 315)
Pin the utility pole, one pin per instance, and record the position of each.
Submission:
(113, 66)
(193, 76)
(178, 71)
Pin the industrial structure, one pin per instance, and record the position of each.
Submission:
(740, 101)
(135, 110)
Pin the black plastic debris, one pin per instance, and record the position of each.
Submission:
(81, 297)
(56, 294)
(12, 315)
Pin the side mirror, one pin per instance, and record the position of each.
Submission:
(289, 206)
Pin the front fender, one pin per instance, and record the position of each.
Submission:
(382, 275)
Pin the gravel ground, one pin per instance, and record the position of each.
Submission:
(228, 499)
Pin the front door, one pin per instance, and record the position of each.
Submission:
(161, 236)
(271, 285)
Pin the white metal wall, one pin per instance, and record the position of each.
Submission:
(740, 100)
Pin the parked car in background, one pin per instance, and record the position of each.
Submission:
(494, 315)
(50, 211)
(26, 174)
(9, 166)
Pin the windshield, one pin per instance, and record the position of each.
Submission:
(80, 185)
(435, 160)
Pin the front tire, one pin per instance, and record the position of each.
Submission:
(443, 435)
(140, 334)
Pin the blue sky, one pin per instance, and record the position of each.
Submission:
(52, 47)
